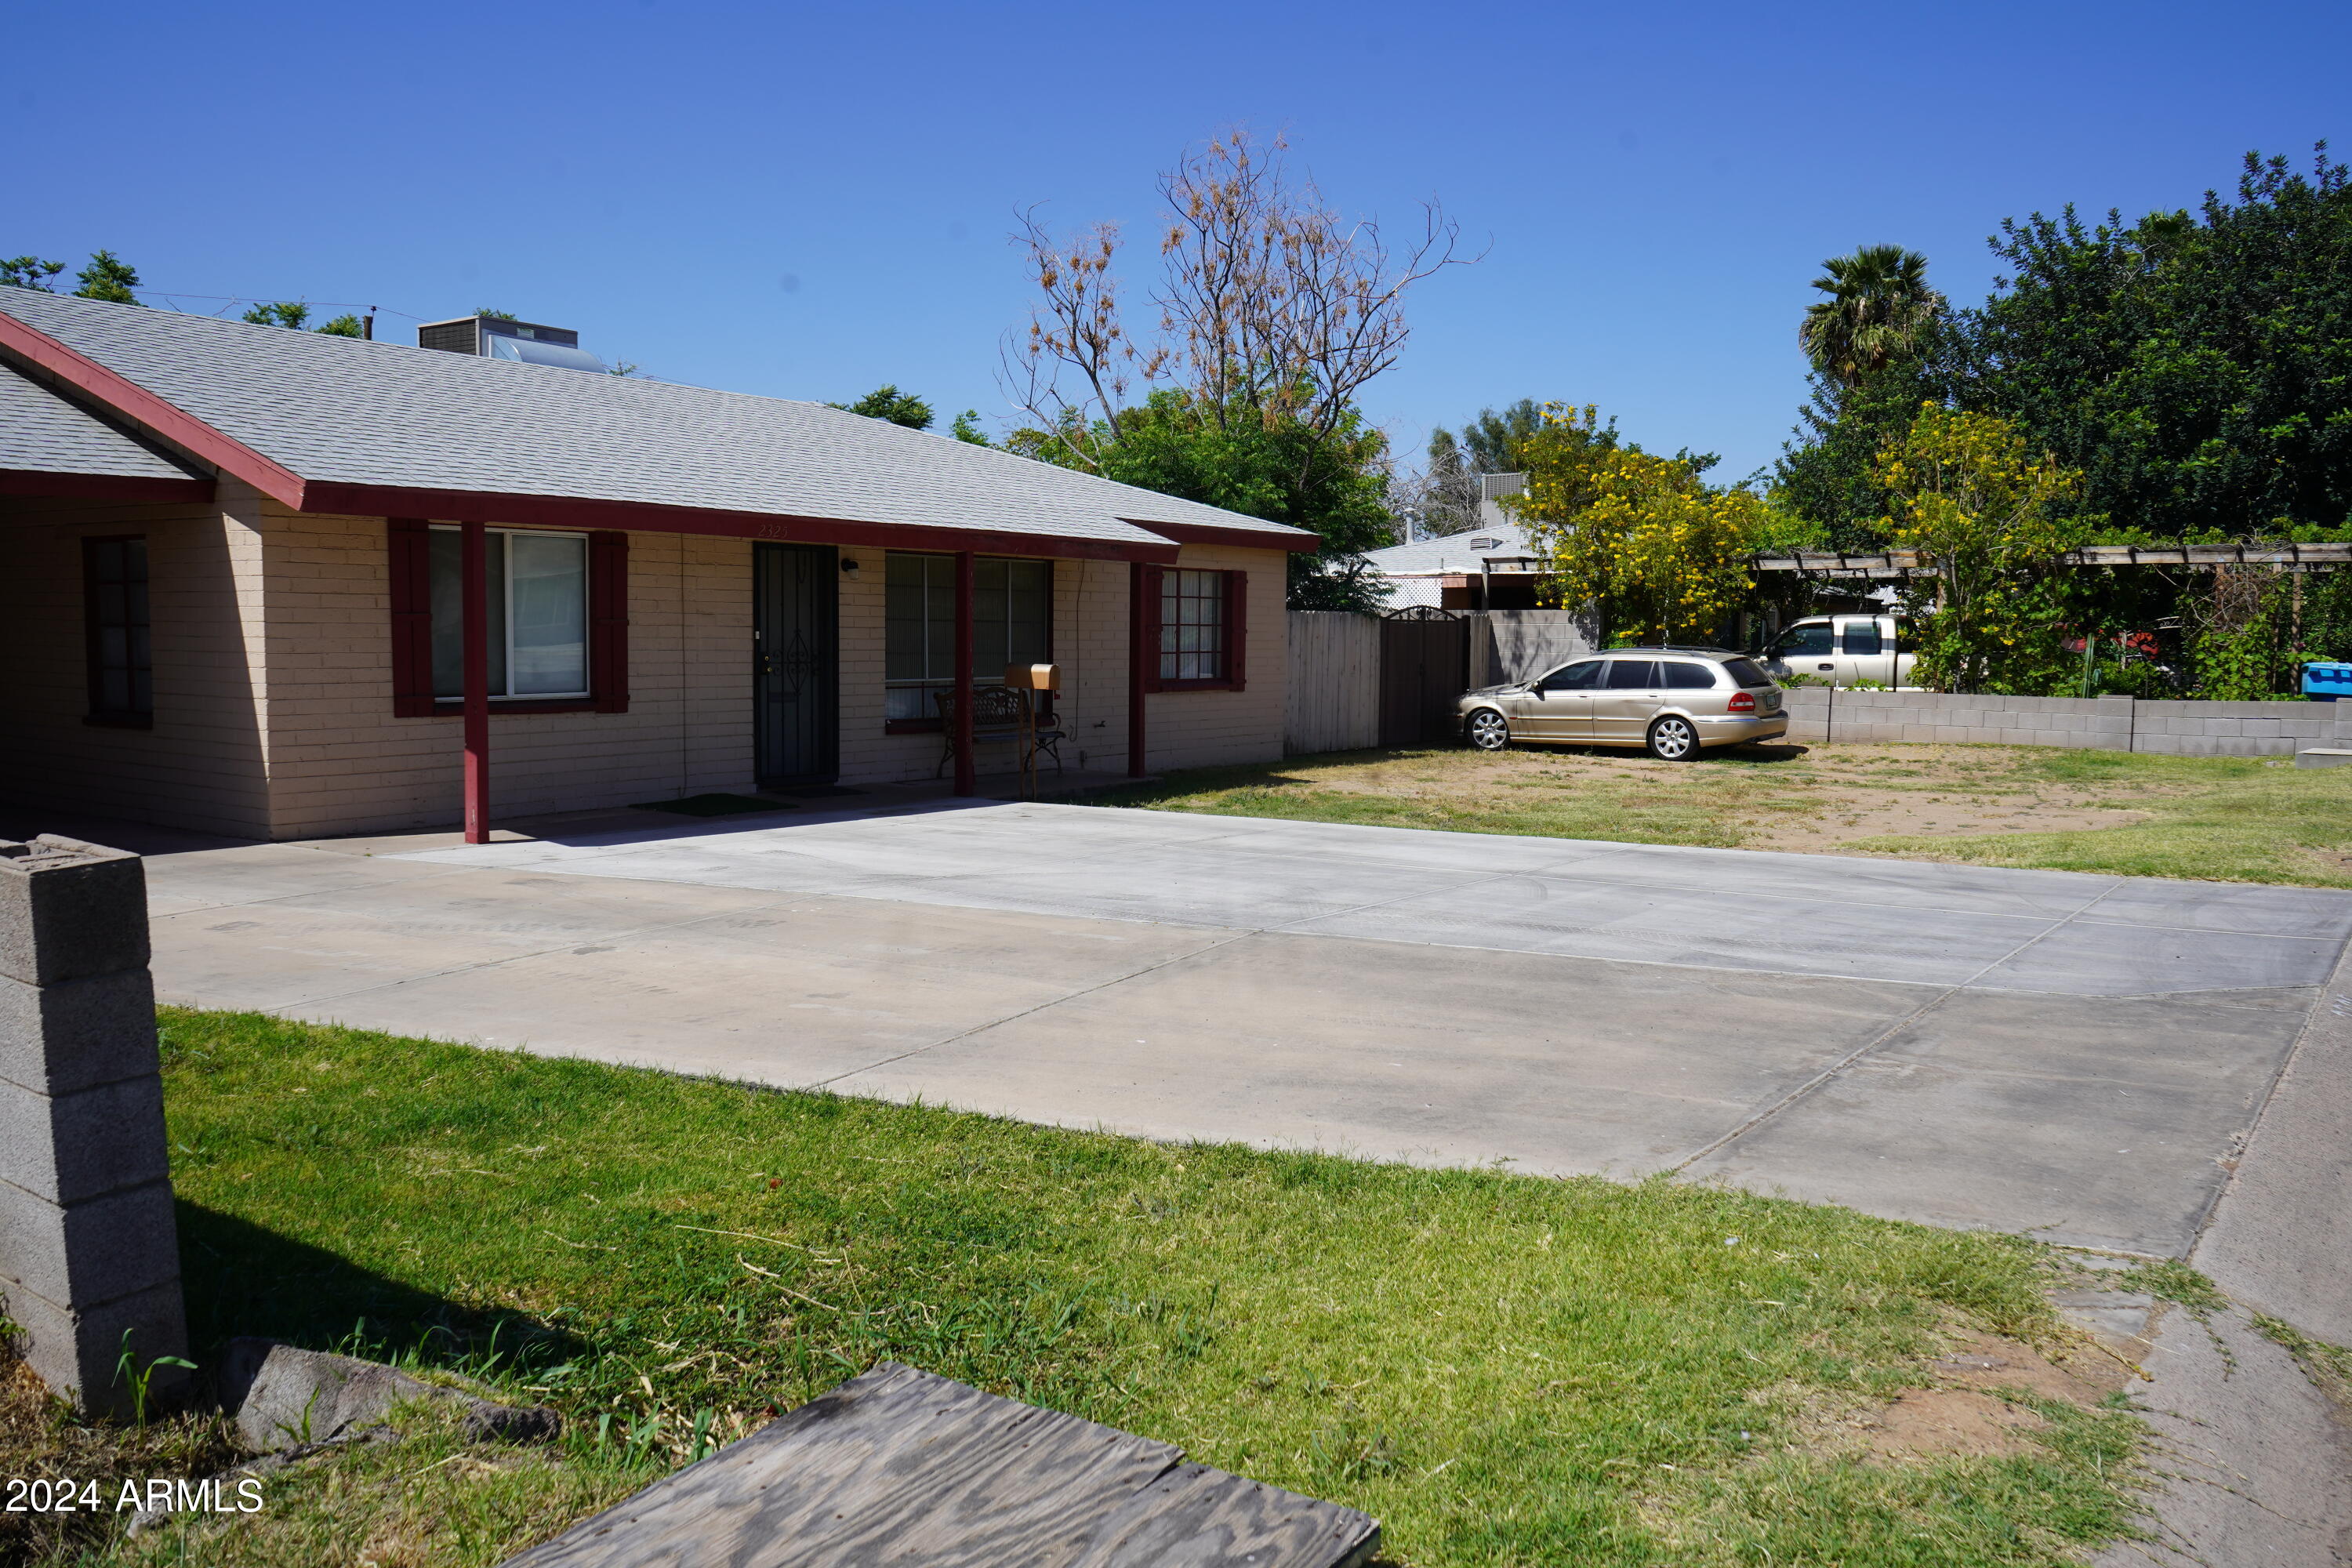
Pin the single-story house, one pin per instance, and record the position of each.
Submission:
(1494, 566)
(282, 584)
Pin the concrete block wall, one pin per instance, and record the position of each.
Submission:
(90, 1260)
(2105, 723)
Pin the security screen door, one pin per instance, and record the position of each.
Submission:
(797, 728)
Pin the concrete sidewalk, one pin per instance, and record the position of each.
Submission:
(2075, 1056)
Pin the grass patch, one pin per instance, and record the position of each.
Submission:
(2249, 819)
(1505, 1370)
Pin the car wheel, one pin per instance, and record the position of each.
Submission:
(1487, 730)
(1673, 739)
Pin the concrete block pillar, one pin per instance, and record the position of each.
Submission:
(88, 1249)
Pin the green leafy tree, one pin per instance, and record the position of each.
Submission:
(1878, 308)
(107, 277)
(29, 272)
(1333, 484)
(1490, 443)
(2197, 367)
(289, 313)
(1641, 541)
(1879, 344)
(345, 326)
(967, 429)
(1991, 518)
(496, 315)
(887, 402)
(1443, 496)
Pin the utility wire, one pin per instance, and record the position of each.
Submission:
(272, 300)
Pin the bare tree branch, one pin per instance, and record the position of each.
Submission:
(1076, 328)
(1273, 308)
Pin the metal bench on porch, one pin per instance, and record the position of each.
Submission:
(1000, 715)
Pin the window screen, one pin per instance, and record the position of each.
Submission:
(1681, 675)
(1633, 675)
(538, 586)
(121, 667)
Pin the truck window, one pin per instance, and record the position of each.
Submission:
(1804, 642)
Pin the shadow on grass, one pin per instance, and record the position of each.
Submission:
(241, 1280)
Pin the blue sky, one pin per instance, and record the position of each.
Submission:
(808, 201)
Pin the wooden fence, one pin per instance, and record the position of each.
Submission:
(1334, 696)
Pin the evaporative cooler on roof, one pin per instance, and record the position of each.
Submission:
(497, 337)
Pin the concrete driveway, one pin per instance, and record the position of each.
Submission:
(2077, 1057)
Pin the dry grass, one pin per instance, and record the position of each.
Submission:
(2218, 818)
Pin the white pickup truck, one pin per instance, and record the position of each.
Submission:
(1843, 649)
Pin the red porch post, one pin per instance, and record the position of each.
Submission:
(472, 572)
(1136, 654)
(967, 779)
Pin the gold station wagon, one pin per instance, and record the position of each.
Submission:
(1675, 702)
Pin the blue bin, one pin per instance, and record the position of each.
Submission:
(2324, 682)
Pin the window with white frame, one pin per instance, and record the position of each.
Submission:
(538, 586)
(1012, 623)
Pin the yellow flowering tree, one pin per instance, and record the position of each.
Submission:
(1970, 494)
(1653, 550)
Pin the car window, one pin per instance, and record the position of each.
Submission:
(1803, 642)
(1633, 675)
(1579, 677)
(1684, 676)
(1862, 636)
(1746, 672)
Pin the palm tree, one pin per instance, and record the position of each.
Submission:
(1878, 304)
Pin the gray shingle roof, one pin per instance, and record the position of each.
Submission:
(41, 433)
(1451, 552)
(341, 410)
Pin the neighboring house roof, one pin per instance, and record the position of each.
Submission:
(1453, 553)
(45, 439)
(333, 424)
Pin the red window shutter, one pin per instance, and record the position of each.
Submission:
(410, 545)
(608, 613)
(1237, 627)
(1147, 627)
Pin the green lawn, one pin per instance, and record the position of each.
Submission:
(2252, 819)
(1505, 1370)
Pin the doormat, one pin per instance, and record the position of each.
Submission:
(713, 804)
